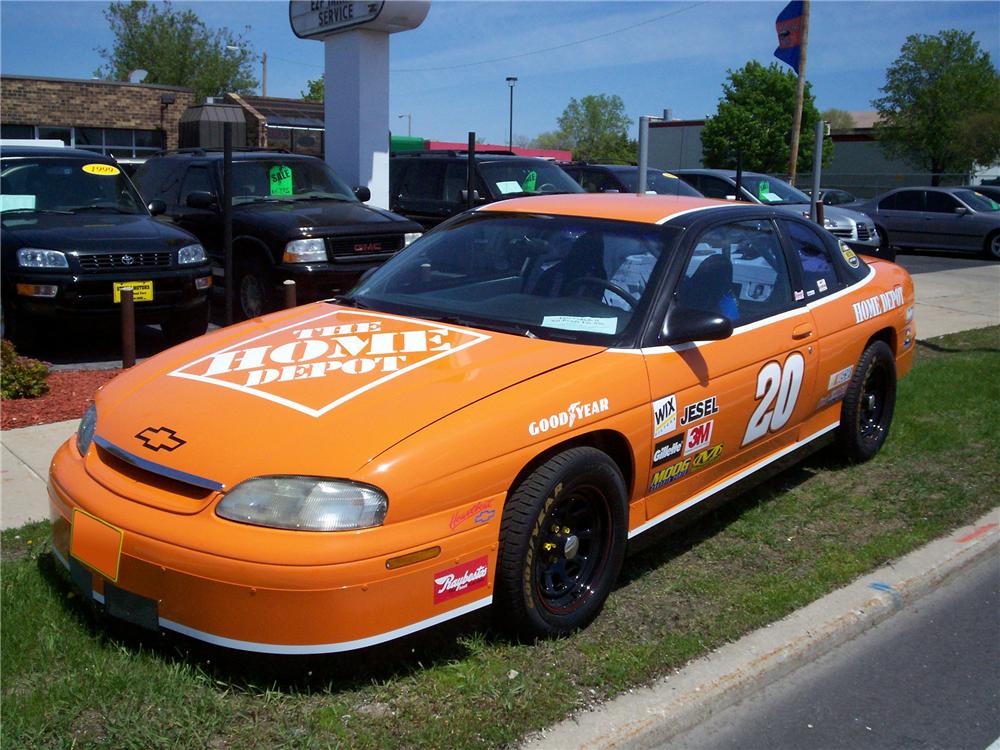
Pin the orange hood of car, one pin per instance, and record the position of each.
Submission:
(319, 390)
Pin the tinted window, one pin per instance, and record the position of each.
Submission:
(66, 184)
(278, 179)
(197, 179)
(661, 183)
(771, 191)
(904, 200)
(422, 181)
(819, 276)
(940, 203)
(160, 179)
(713, 187)
(737, 270)
(977, 200)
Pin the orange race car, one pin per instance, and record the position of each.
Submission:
(486, 419)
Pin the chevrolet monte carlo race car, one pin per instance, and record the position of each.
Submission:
(486, 419)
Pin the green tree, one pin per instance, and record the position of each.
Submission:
(755, 116)
(176, 48)
(595, 128)
(838, 119)
(314, 90)
(932, 90)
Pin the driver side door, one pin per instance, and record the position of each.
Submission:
(719, 407)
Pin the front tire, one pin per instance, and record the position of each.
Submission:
(991, 247)
(253, 297)
(562, 543)
(866, 412)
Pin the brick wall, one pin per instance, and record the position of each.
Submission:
(91, 104)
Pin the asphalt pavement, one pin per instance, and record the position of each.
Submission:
(929, 676)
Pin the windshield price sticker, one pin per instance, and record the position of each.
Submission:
(281, 180)
(509, 186)
(574, 323)
(106, 170)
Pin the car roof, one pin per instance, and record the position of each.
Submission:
(238, 155)
(648, 209)
(730, 173)
(73, 153)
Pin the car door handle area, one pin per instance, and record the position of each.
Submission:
(802, 331)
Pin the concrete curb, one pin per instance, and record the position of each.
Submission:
(650, 717)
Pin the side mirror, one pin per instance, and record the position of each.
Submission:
(962, 211)
(687, 324)
(157, 207)
(363, 194)
(201, 199)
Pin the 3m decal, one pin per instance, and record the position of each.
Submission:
(578, 410)
(668, 449)
(882, 303)
(664, 415)
(840, 377)
(352, 350)
(699, 410)
(461, 579)
(698, 437)
(473, 511)
(778, 387)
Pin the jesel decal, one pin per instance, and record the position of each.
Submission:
(577, 411)
(461, 579)
(349, 347)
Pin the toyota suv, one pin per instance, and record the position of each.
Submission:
(431, 186)
(293, 218)
(75, 232)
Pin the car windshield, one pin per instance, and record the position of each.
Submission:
(977, 201)
(772, 191)
(553, 277)
(65, 185)
(508, 178)
(286, 180)
(662, 183)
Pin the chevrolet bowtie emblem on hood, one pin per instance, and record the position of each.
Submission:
(160, 438)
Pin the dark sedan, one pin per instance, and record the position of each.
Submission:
(939, 218)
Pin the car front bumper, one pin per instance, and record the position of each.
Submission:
(256, 606)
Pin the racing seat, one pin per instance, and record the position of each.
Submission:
(585, 258)
(710, 287)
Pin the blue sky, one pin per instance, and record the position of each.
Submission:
(675, 56)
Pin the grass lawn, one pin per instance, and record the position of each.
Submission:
(70, 680)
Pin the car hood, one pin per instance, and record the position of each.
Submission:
(322, 217)
(841, 215)
(320, 390)
(91, 231)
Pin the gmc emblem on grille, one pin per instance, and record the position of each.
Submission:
(160, 438)
(368, 247)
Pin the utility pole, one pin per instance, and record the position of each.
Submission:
(799, 95)
(263, 74)
(511, 80)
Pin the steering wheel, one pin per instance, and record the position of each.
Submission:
(611, 286)
(547, 187)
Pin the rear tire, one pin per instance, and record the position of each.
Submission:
(187, 325)
(562, 543)
(991, 247)
(866, 412)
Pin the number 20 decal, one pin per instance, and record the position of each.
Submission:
(778, 386)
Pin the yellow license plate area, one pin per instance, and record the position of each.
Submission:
(96, 543)
(142, 291)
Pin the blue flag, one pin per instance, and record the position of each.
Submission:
(789, 27)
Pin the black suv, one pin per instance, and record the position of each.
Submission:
(74, 231)
(430, 186)
(622, 178)
(293, 218)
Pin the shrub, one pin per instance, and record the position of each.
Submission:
(21, 377)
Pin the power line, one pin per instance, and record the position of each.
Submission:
(548, 49)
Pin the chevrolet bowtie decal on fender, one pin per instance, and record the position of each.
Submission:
(160, 438)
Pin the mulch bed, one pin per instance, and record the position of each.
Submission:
(70, 392)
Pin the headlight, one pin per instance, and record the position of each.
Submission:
(30, 257)
(829, 224)
(305, 503)
(305, 251)
(85, 432)
(410, 237)
(191, 254)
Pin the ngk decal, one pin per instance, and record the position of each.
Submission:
(350, 351)
(461, 579)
